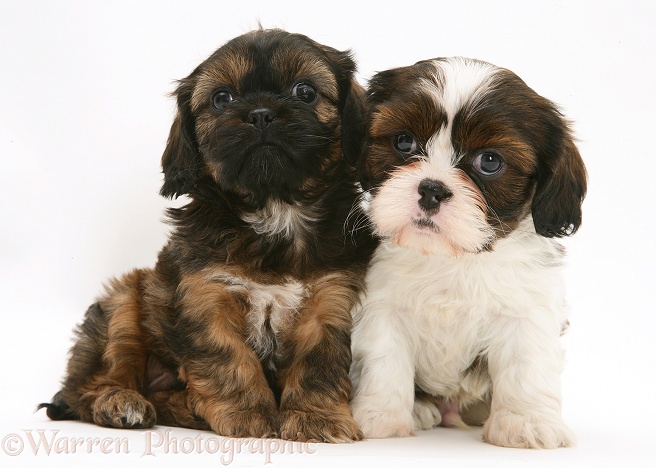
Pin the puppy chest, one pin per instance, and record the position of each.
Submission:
(449, 341)
(273, 311)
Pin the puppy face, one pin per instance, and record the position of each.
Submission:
(461, 151)
(261, 119)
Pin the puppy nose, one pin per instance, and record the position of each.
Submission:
(432, 194)
(260, 118)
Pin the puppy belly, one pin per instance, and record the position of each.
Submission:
(450, 352)
(159, 377)
(451, 363)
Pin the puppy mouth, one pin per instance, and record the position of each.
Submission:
(266, 149)
(265, 170)
(262, 141)
(425, 224)
(270, 160)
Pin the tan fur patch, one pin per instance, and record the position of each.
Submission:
(125, 355)
(226, 74)
(331, 300)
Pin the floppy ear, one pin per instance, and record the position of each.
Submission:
(383, 84)
(351, 101)
(181, 159)
(354, 132)
(561, 188)
(379, 90)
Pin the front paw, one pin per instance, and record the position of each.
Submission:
(123, 408)
(305, 426)
(508, 429)
(425, 414)
(246, 423)
(380, 423)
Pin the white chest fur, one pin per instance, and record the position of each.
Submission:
(272, 308)
(449, 309)
(282, 219)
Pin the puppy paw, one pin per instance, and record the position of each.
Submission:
(508, 429)
(123, 408)
(246, 423)
(381, 423)
(305, 426)
(425, 414)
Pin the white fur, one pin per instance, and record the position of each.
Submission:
(426, 415)
(472, 78)
(278, 218)
(426, 318)
(273, 308)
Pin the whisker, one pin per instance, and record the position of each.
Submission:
(501, 223)
(505, 226)
(361, 219)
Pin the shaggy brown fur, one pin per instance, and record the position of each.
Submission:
(243, 325)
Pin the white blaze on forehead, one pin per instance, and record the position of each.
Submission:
(464, 81)
(459, 82)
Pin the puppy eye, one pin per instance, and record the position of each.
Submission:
(220, 99)
(488, 163)
(405, 143)
(304, 92)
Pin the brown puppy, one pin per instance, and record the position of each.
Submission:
(244, 323)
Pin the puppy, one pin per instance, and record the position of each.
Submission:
(243, 325)
(469, 177)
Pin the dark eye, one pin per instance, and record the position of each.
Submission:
(405, 143)
(220, 99)
(488, 163)
(304, 92)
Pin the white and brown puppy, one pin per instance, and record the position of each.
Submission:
(469, 176)
(243, 325)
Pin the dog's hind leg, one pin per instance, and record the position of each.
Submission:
(170, 397)
(106, 368)
(174, 408)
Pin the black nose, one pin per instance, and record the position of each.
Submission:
(260, 118)
(432, 194)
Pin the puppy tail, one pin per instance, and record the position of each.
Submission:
(57, 410)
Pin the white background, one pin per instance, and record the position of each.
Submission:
(84, 116)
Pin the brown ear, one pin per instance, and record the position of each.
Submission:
(181, 159)
(379, 89)
(561, 188)
(354, 132)
(351, 101)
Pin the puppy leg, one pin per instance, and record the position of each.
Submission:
(430, 411)
(226, 385)
(382, 373)
(170, 397)
(174, 408)
(525, 360)
(315, 381)
(425, 412)
(107, 363)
